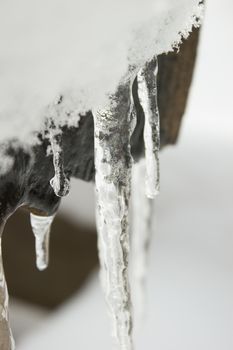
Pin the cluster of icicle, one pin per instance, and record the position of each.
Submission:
(113, 127)
(114, 165)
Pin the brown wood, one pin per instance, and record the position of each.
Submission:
(174, 80)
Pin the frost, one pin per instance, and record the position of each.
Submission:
(41, 228)
(113, 128)
(147, 93)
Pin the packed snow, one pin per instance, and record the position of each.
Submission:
(49, 48)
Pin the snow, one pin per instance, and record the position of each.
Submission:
(51, 48)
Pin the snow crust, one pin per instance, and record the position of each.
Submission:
(80, 49)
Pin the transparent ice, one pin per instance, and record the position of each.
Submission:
(41, 226)
(6, 338)
(147, 93)
(113, 164)
(142, 207)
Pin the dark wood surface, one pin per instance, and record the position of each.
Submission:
(174, 80)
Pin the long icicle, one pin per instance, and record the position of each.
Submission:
(147, 93)
(113, 162)
(6, 338)
(141, 236)
(149, 169)
(41, 226)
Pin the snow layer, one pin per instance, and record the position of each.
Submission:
(70, 47)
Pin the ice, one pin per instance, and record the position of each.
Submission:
(141, 236)
(41, 228)
(147, 93)
(147, 170)
(113, 162)
(6, 338)
(113, 127)
(59, 183)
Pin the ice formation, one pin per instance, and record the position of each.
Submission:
(147, 170)
(147, 93)
(6, 338)
(113, 184)
(41, 228)
(142, 207)
(59, 183)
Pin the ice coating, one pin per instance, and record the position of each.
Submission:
(147, 93)
(113, 162)
(141, 235)
(59, 183)
(6, 338)
(41, 226)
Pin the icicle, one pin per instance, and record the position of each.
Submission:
(113, 162)
(59, 183)
(6, 338)
(147, 93)
(141, 235)
(41, 228)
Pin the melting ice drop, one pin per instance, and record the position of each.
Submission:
(41, 228)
